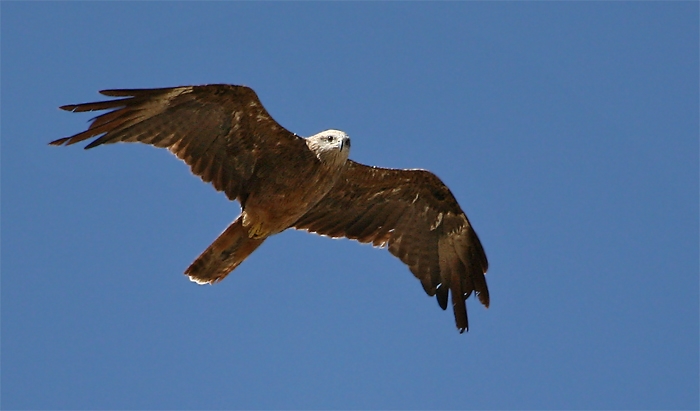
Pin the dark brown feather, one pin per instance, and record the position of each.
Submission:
(418, 218)
(220, 131)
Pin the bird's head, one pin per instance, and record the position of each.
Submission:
(330, 146)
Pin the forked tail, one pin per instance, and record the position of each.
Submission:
(223, 255)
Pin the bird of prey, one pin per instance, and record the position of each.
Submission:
(283, 181)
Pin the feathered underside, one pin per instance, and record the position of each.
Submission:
(228, 139)
(417, 217)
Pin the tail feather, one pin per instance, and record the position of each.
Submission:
(223, 255)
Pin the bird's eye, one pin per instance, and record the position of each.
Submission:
(329, 138)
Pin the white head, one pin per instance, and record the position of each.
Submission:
(330, 146)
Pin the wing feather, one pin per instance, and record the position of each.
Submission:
(220, 131)
(417, 217)
(372, 222)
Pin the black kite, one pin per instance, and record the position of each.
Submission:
(283, 181)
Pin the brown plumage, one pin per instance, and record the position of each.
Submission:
(283, 181)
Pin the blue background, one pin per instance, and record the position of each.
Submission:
(567, 131)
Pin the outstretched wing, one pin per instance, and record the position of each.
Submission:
(221, 131)
(417, 216)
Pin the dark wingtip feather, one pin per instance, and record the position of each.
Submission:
(95, 106)
(459, 307)
(95, 143)
(59, 142)
(120, 92)
(69, 107)
(441, 296)
(134, 92)
(484, 298)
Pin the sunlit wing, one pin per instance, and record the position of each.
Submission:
(417, 217)
(220, 131)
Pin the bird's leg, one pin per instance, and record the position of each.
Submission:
(256, 228)
(257, 231)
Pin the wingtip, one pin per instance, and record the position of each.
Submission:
(59, 142)
(67, 141)
(486, 303)
(441, 294)
(69, 107)
(95, 143)
(484, 298)
(117, 92)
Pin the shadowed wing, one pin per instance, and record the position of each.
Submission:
(221, 131)
(418, 218)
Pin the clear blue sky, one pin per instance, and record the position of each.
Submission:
(567, 131)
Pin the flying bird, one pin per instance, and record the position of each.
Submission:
(283, 181)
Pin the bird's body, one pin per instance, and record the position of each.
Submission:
(284, 181)
(267, 209)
